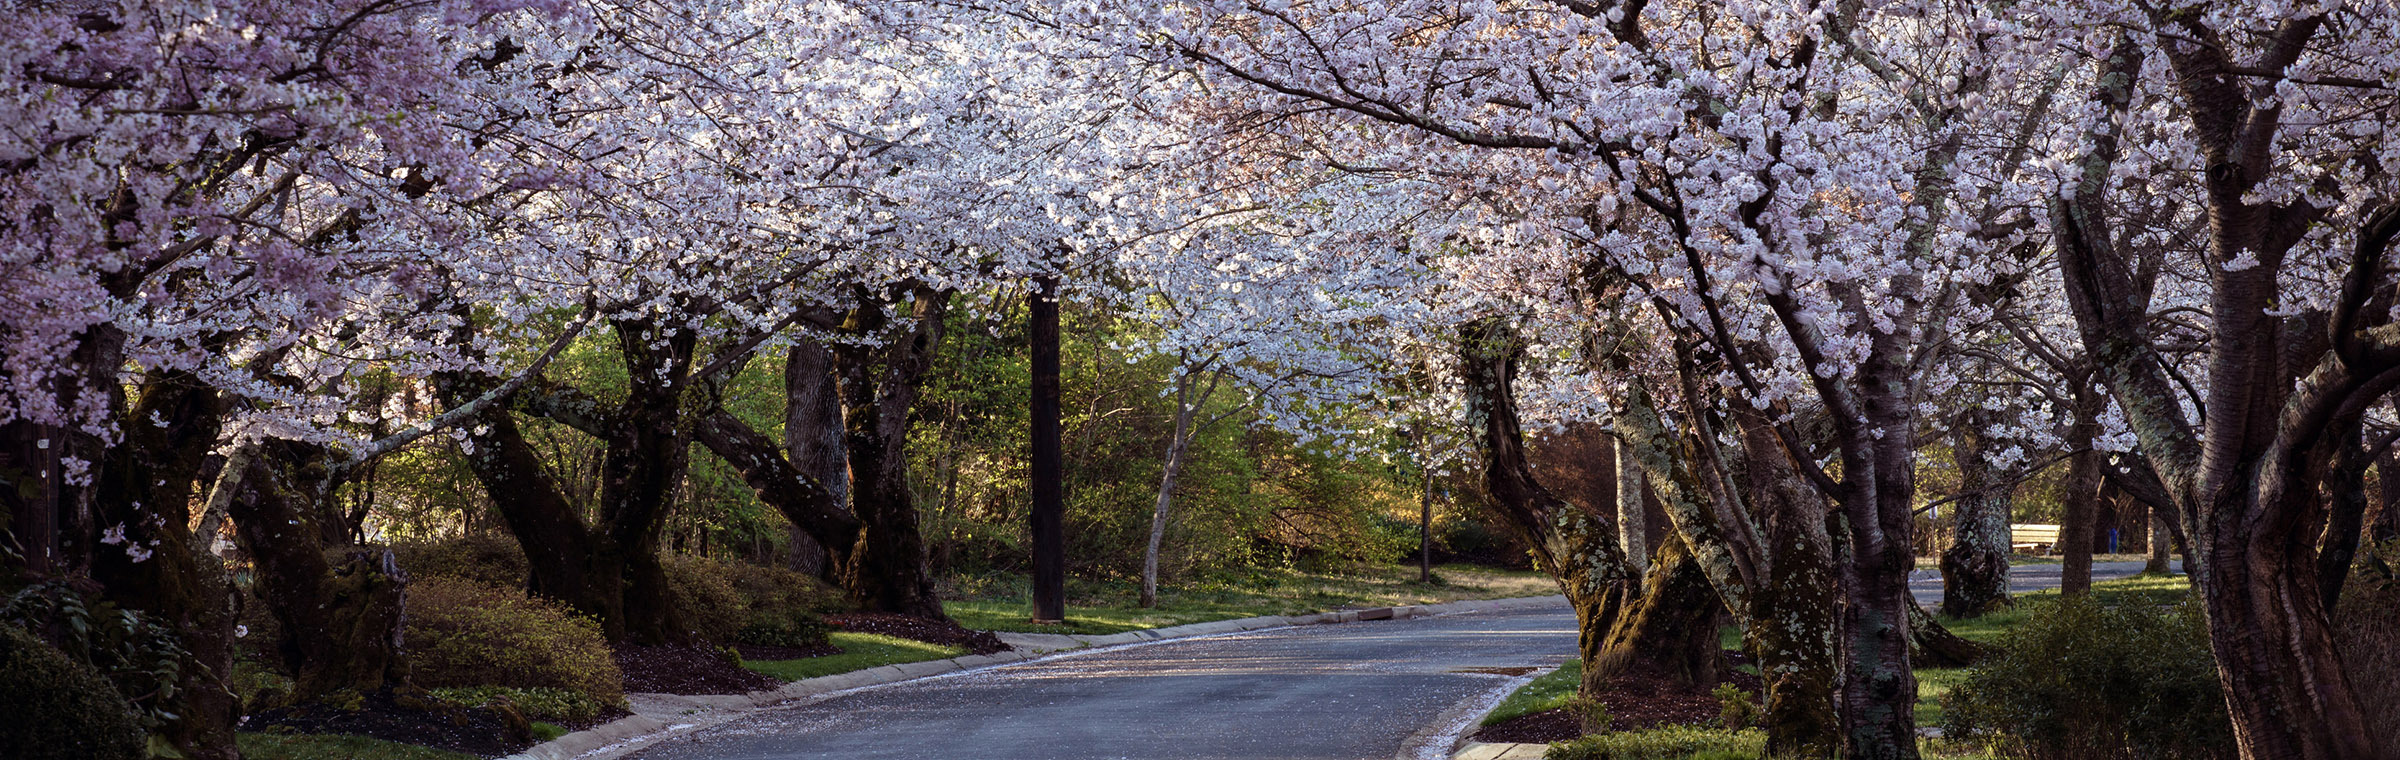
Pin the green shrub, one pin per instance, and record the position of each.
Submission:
(464, 633)
(1735, 710)
(488, 558)
(704, 597)
(137, 656)
(537, 703)
(1664, 743)
(751, 604)
(2082, 680)
(59, 708)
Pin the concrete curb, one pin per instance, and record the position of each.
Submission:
(660, 716)
(1488, 751)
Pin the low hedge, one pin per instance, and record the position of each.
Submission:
(465, 633)
(2083, 680)
(58, 708)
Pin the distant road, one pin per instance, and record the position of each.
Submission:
(1355, 691)
(1927, 583)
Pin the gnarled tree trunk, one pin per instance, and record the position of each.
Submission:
(887, 570)
(1975, 567)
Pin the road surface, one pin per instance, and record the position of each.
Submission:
(1927, 584)
(1331, 692)
(1351, 691)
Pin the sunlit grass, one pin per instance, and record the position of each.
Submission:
(859, 652)
(1549, 692)
(1002, 604)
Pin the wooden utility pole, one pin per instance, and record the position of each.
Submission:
(1049, 494)
(1425, 513)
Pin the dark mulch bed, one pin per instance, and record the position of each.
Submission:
(772, 652)
(1632, 703)
(942, 632)
(419, 721)
(690, 669)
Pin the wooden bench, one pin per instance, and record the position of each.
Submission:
(2038, 539)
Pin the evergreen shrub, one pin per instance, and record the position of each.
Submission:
(58, 708)
(492, 559)
(464, 633)
(2080, 680)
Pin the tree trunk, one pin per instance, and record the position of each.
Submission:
(2162, 545)
(1179, 442)
(887, 570)
(1046, 519)
(812, 432)
(342, 621)
(563, 556)
(1975, 568)
(1668, 632)
(2386, 526)
(2081, 487)
(1633, 524)
(145, 484)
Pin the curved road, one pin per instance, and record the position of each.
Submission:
(1346, 692)
(1331, 692)
(1926, 584)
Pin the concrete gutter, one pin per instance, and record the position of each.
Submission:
(660, 716)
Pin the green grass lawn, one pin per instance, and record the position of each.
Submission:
(859, 652)
(261, 746)
(1548, 692)
(1001, 604)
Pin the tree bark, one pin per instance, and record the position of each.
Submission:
(1633, 524)
(342, 621)
(2081, 487)
(887, 570)
(1047, 516)
(1975, 567)
(1178, 445)
(1667, 632)
(145, 484)
(813, 440)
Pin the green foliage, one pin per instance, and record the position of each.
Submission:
(463, 633)
(1591, 713)
(137, 656)
(704, 598)
(544, 731)
(1548, 692)
(59, 708)
(491, 559)
(277, 746)
(859, 652)
(999, 603)
(258, 686)
(780, 607)
(2084, 679)
(563, 705)
(1664, 743)
(1735, 709)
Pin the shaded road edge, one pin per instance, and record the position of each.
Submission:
(1450, 729)
(662, 716)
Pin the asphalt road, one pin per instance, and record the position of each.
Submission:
(1321, 691)
(1927, 584)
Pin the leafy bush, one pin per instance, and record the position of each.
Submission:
(488, 558)
(1664, 743)
(59, 708)
(136, 655)
(464, 633)
(1735, 710)
(704, 597)
(757, 604)
(2080, 680)
(538, 704)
